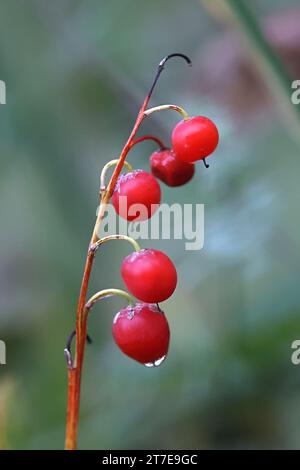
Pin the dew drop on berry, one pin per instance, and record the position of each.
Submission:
(130, 314)
(156, 363)
(116, 318)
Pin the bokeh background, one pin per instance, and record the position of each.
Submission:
(76, 73)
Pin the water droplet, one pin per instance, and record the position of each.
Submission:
(116, 318)
(130, 314)
(156, 363)
(149, 364)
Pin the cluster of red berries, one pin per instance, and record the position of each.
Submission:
(142, 331)
(192, 139)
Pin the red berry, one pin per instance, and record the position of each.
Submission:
(169, 169)
(194, 138)
(142, 333)
(136, 187)
(149, 275)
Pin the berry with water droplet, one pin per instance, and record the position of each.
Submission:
(194, 138)
(149, 275)
(142, 333)
(169, 169)
(136, 188)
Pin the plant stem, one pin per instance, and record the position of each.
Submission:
(106, 167)
(163, 107)
(70, 442)
(108, 293)
(103, 240)
(149, 137)
(75, 372)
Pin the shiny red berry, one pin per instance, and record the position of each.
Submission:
(136, 188)
(149, 275)
(194, 138)
(169, 169)
(142, 333)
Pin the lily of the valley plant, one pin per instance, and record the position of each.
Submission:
(140, 329)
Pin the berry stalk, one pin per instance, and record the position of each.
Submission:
(148, 137)
(103, 240)
(106, 167)
(164, 107)
(103, 294)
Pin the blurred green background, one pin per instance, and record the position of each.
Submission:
(76, 73)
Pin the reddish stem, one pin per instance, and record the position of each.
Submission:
(148, 137)
(71, 424)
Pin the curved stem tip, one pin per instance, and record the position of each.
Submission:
(161, 67)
